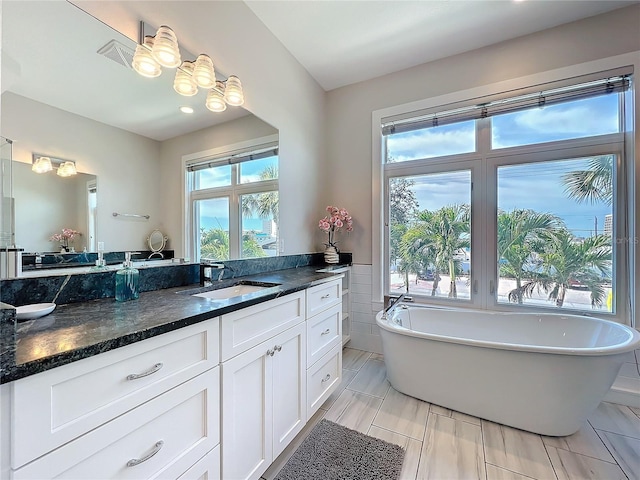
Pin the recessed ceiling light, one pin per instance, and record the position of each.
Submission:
(185, 109)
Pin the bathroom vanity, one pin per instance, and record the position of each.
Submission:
(171, 385)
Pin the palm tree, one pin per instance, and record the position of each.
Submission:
(214, 244)
(594, 184)
(565, 259)
(445, 232)
(414, 251)
(265, 205)
(518, 231)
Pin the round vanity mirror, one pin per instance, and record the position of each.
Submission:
(157, 241)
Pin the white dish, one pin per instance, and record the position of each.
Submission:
(37, 310)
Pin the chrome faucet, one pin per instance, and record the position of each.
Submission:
(389, 310)
(206, 271)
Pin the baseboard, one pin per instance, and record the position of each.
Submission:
(624, 391)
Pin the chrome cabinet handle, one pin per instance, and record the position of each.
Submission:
(326, 332)
(325, 296)
(326, 378)
(270, 352)
(277, 348)
(151, 371)
(137, 461)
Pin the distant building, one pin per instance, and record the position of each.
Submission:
(608, 225)
(269, 227)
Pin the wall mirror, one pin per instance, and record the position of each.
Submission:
(68, 90)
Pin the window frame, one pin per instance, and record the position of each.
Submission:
(234, 191)
(484, 194)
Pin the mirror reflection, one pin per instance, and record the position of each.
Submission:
(70, 92)
(46, 203)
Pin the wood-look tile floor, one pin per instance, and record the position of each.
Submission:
(444, 444)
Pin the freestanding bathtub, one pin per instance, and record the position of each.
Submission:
(542, 373)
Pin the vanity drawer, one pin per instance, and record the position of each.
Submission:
(207, 468)
(61, 404)
(246, 328)
(180, 426)
(324, 331)
(323, 378)
(323, 296)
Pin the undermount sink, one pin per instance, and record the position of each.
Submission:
(234, 290)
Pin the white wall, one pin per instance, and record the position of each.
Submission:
(277, 89)
(126, 165)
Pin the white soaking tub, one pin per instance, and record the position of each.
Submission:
(544, 373)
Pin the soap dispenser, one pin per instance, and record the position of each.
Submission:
(127, 281)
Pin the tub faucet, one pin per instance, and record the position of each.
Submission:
(389, 310)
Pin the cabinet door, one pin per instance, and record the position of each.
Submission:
(289, 386)
(246, 408)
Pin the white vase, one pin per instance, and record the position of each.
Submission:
(331, 255)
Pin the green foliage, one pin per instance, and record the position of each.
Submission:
(594, 184)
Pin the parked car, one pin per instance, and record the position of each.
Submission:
(427, 274)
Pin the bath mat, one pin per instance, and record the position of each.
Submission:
(334, 452)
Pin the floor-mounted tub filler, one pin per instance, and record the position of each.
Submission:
(544, 373)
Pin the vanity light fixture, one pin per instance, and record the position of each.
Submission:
(215, 99)
(44, 164)
(162, 50)
(143, 61)
(41, 164)
(184, 83)
(67, 169)
(165, 48)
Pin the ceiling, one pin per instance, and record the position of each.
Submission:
(49, 54)
(338, 42)
(341, 42)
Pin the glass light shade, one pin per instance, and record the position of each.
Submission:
(233, 94)
(165, 48)
(42, 165)
(67, 169)
(143, 62)
(215, 101)
(203, 72)
(184, 83)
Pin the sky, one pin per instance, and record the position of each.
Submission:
(527, 186)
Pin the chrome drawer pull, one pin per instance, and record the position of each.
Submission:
(137, 461)
(277, 348)
(270, 352)
(325, 296)
(326, 379)
(152, 370)
(326, 332)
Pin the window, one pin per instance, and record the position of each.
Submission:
(233, 204)
(512, 202)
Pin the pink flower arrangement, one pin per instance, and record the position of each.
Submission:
(65, 237)
(336, 219)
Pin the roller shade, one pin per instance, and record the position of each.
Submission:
(512, 104)
(239, 157)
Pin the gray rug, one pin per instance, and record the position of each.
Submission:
(334, 452)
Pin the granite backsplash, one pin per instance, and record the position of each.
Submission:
(81, 287)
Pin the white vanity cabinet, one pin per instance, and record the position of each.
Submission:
(264, 387)
(145, 410)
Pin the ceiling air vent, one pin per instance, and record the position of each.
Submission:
(118, 52)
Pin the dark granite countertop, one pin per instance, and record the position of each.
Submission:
(80, 330)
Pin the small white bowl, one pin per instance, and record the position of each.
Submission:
(37, 310)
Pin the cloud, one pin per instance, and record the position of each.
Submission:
(430, 143)
(579, 120)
